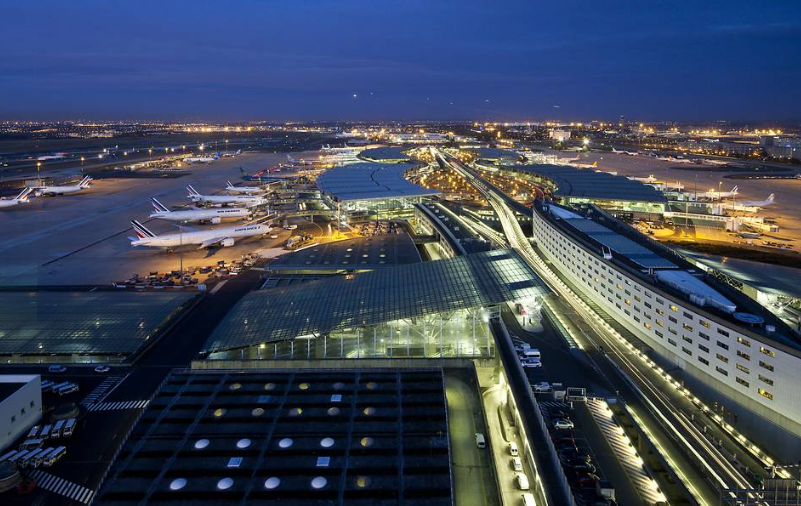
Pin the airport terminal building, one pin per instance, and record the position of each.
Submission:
(727, 348)
(574, 187)
(369, 191)
(434, 309)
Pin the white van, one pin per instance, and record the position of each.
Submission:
(481, 443)
(522, 481)
(531, 353)
(517, 464)
(528, 500)
(513, 451)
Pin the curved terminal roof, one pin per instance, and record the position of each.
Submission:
(365, 181)
(578, 183)
(409, 291)
(385, 154)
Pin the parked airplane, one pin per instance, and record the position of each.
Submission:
(213, 215)
(62, 190)
(648, 180)
(19, 199)
(295, 161)
(203, 159)
(248, 190)
(231, 154)
(621, 152)
(673, 159)
(258, 176)
(224, 200)
(716, 195)
(759, 203)
(57, 156)
(225, 237)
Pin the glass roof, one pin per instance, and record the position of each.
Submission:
(81, 322)
(363, 181)
(407, 291)
(572, 182)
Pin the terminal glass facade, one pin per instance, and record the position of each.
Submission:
(459, 333)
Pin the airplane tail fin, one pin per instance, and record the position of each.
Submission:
(141, 231)
(229, 184)
(191, 190)
(595, 163)
(771, 197)
(85, 182)
(734, 190)
(24, 194)
(158, 206)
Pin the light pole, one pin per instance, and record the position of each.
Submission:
(38, 172)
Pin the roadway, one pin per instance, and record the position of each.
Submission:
(716, 468)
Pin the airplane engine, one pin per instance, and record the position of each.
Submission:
(214, 220)
(227, 243)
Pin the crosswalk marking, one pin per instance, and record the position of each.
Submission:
(100, 390)
(626, 454)
(113, 406)
(60, 486)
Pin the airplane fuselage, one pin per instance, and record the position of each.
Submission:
(225, 234)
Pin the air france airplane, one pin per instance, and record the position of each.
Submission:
(759, 203)
(295, 161)
(213, 215)
(224, 200)
(224, 237)
(62, 190)
(19, 199)
(248, 190)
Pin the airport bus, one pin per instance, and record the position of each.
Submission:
(68, 428)
(57, 429)
(18, 456)
(30, 444)
(34, 430)
(68, 389)
(47, 385)
(55, 387)
(8, 455)
(55, 456)
(33, 459)
(45, 431)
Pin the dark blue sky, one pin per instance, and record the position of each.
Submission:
(410, 59)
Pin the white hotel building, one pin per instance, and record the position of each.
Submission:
(727, 348)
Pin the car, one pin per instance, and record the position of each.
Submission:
(578, 459)
(562, 424)
(522, 347)
(481, 443)
(102, 368)
(513, 451)
(542, 386)
(517, 464)
(522, 481)
(584, 468)
(586, 480)
(531, 362)
(56, 368)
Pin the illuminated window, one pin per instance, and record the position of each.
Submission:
(659, 311)
(764, 393)
(704, 323)
(674, 307)
(647, 326)
(628, 302)
(688, 327)
(743, 368)
(660, 323)
(743, 355)
(767, 351)
(722, 358)
(744, 341)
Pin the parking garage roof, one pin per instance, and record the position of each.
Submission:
(408, 291)
(100, 322)
(361, 253)
(496, 154)
(300, 438)
(586, 183)
(385, 154)
(366, 181)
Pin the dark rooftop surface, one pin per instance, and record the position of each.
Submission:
(98, 322)
(453, 228)
(365, 253)
(363, 181)
(384, 154)
(406, 291)
(586, 183)
(289, 438)
(7, 389)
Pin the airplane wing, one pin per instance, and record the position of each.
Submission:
(211, 242)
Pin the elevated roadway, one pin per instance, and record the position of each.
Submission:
(703, 467)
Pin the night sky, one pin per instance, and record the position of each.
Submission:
(410, 59)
